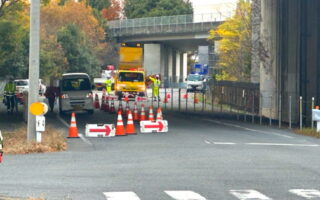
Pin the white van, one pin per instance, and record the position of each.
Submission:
(75, 93)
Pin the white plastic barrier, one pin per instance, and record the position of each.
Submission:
(316, 117)
(159, 126)
(100, 130)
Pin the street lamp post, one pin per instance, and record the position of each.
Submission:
(34, 50)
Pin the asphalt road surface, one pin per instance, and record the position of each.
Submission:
(201, 157)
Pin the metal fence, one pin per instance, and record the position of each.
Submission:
(178, 23)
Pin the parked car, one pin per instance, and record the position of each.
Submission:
(75, 93)
(23, 85)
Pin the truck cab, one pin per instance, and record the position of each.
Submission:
(131, 83)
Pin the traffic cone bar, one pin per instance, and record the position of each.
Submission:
(120, 130)
(130, 125)
(112, 109)
(96, 102)
(73, 130)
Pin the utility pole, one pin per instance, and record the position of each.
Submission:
(33, 64)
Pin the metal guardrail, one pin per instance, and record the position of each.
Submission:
(178, 23)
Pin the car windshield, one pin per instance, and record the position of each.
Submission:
(194, 78)
(21, 83)
(131, 77)
(76, 84)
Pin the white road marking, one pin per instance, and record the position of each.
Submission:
(282, 144)
(225, 143)
(80, 135)
(121, 196)
(249, 194)
(308, 194)
(207, 142)
(248, 129)
(184, 195)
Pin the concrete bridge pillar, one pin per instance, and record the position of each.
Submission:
(184, 66)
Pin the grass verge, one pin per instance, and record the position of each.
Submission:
(308, 132)
(15, 142)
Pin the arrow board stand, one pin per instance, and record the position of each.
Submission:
(159, 126)
(100, 130)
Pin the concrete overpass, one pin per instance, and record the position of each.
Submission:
(167, 40)
(286, 61)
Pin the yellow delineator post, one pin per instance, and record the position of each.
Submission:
(39, 109)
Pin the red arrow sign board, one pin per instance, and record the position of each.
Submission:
(157, 126)
(100, 130)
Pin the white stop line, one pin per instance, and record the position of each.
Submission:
(249, 194)
(308, 194)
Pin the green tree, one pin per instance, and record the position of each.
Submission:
(234, 50)
(79, 56)
(155, 8)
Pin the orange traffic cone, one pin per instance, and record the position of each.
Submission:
(159, 114)
(168, 96)
(112, 109)
(130, 126)
(196, 99)
(151, 117)
(165, 100)
(135, 113)
(143, 114)
(120, 109)
(96, 102)
(107, 108)
(1, 155)
(120, 130)
(185, 96)
(127, 109)
(126, 99)
(73, 130)
(103, 103)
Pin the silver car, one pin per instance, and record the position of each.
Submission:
(75, 93)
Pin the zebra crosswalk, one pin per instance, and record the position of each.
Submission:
(249, 194)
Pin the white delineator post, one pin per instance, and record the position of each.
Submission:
(316, 117)
(33, 64)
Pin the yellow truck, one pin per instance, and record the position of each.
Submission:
(130, 79)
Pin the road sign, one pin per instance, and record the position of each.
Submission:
(38, 108)
(100, 130)
(160, 126)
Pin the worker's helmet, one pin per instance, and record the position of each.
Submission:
(157, 76)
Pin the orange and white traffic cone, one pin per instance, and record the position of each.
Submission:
(135, 113)
(165, 99)
(120, 130)
(112, 108)
(96, 102)
(120, 109)
(103, 103)
(185, 96)
(159, 114)
(107, 108)
(73, 130)
(127, 110)
(126, 99)
(196, 99)
(151, 117)
(130, 126)
(143, 113)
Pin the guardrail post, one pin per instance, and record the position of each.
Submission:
(290, 112)
(270, 114)
(165, 98)
(203, 101)
(260, 108)
(245, 104)
(280, 110)
(312, 107)
(179, 100)
(187, 97)
(300, 109)
(194, 101)
(171, 98)
(212, 101)
(253, 104)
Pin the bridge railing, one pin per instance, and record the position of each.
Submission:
(178, 23)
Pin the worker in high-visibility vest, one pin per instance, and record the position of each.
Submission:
(155, 87)
(10, 94)
(108, 85)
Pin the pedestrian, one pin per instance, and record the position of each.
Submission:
(10, 94)
(155, 87)
(51, 94)
(108, 85)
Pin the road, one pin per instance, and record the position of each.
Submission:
(201, 157)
